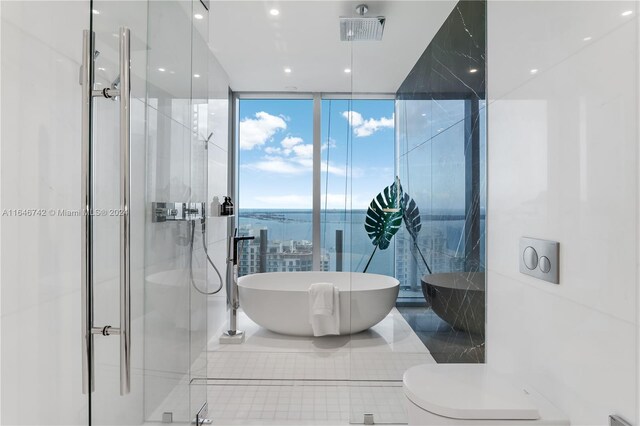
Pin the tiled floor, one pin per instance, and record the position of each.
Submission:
(277, 379)
(313, 402)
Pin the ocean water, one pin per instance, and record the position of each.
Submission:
(286, 225)
(440, 237)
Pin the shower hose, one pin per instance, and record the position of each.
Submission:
(204, 245)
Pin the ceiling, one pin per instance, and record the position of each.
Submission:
(254, 47)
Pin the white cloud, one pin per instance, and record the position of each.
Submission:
(291, 141)
(354, 118)
(294, 157)
(303, 151)
(257, 131)
(362, 127)
(372, 125)
(277, 165)
(272, 150)
(332, 170)
(330, 144)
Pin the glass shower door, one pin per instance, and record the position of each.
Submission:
(175, 265)
(142, 322)
(114, 174)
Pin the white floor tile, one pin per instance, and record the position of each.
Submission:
(278, 379)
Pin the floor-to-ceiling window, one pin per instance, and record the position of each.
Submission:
(276, 188)
(275, 165)
(357, 164)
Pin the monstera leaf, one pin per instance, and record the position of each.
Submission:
(410, 215)
(385, 215)
(411, 218)
(384, 219)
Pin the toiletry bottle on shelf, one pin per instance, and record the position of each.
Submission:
(227, 207)
(216, 207)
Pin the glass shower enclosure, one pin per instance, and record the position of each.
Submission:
(144, 80)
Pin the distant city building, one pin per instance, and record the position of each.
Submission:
(279, 256)
(440, 244)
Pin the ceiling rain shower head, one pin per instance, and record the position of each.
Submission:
(361, 28)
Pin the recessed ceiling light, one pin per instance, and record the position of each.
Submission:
(161, 69)
(198, 16)
(586, 38)
(534, 71)
(627, 13)
(101, 69)
(287, 70)
(423, 114)
(347, 70)
(274, 12)
(473, 70)
(95, 12)
(196, 75)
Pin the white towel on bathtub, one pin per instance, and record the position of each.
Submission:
(324, 309)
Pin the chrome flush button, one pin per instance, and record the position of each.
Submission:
(545, 264)
(540, 259)
(530, 258)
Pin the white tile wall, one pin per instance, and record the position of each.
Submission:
(40, 277)
(563, 165)
(41, 274)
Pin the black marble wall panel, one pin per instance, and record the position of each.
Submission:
(441, 114)
(442, 72)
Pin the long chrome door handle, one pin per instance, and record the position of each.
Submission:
(86, 80)
(88, 329)
(125, 219)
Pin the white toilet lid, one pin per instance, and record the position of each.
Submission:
(467, 391)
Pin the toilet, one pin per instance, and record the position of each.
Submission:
(473, 394)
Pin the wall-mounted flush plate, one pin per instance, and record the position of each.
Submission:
(171, 212)
(540, 259)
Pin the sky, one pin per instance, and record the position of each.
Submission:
(276, 152)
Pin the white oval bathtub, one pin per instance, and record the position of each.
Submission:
(279, 301)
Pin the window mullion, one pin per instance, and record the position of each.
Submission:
(317, 153)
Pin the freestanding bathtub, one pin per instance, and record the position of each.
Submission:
(279, 301)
